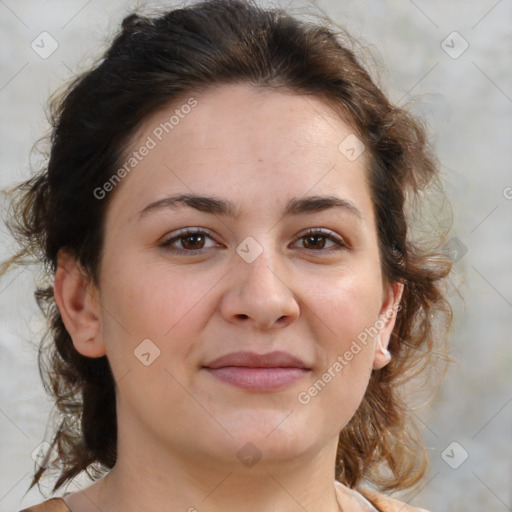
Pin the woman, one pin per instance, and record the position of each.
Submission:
(234, 296)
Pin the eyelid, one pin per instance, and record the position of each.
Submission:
(187, 231)
(176, 235)
(327, 233)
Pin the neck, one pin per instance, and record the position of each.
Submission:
(217, 492)
(150, 479)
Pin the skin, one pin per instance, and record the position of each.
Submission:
(179, 428)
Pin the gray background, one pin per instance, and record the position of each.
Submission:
(467, 101)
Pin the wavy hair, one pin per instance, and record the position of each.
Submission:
(154, 61)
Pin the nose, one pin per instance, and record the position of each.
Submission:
(259, 294)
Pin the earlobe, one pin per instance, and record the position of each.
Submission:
(76, 298)
(386, 322)
(382, 354)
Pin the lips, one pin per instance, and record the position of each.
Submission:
(258, 372)
(276, 359)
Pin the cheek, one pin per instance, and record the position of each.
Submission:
(148, 322)
(147, 300)
(348, 306)
(346, 311)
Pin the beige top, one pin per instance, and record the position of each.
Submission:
(53, 505)
(370, 501)
(374, 501)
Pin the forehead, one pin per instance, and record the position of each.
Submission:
(246, 143)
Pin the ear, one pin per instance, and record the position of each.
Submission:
(385, 324)
(78, 302)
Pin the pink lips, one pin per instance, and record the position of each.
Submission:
(258, 372)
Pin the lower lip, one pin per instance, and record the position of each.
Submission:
(258, 379)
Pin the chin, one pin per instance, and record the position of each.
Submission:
(277, 434)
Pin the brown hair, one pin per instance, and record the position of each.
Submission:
(152, 62)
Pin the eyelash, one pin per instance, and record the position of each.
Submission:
(310, 232)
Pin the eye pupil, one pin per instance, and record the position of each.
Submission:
(315, 238)
(196, 238)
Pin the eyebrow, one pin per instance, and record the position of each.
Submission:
(216, 206)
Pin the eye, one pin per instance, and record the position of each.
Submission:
(192, 241)
(315, 239)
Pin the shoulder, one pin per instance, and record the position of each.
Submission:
(387, 504)
(52, 505)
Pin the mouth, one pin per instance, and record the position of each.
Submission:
(258, 372)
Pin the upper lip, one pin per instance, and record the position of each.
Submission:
(276, 359)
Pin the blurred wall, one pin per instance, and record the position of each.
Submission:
(448, 61)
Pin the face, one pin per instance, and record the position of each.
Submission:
(283, 286)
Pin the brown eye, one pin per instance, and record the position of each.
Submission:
(316, 240)
(194, 241)
(187, 242)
